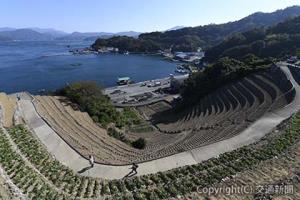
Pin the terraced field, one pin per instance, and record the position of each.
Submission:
(8, 190)
(4, 190)
(24, 176)
(218, 116)
(228, 111)
(282, 171)
(40, 176)
(248, 98)
(78, 129)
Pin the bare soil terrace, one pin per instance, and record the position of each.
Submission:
(10, 105)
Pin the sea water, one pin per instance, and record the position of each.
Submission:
(34, 66)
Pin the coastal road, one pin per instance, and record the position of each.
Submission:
(69, 157)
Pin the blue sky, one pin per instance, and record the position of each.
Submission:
(124, 15)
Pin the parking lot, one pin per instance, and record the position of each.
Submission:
(138, 93)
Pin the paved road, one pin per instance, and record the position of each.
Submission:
(70, 158)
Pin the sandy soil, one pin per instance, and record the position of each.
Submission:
(8, 104)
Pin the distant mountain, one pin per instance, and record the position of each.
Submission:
(189, 39)
(176, 28)
(25, 35)
(53, 32)
(7, 29)
(38, 34)
(47, 31)
(82, 36)
(92, 36)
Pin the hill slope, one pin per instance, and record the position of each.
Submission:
(189, 39)
(277, 41)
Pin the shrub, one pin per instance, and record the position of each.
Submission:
(95, 119)
(90, 98)
(139, 143)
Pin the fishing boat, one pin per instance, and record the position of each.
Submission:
(124, 81)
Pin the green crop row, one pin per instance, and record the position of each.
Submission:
(31, 184)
